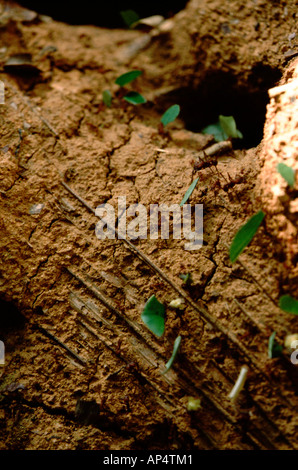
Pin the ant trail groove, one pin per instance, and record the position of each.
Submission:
(61, 344)
(183, 381)
(202, 311)
(164, 401)
(186, 386)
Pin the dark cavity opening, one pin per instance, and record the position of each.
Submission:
(10, 317)
(220, 93)
(102, 13)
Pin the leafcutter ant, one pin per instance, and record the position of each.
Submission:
(201, 164)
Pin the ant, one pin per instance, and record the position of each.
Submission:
(201, 164)
(118, 349)
(130, 367)
(126, 402)
(209, 162)
(231, 183)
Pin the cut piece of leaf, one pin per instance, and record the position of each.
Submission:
(127, 77)
(228, 126)
(224, 128)
(274, 349)
(289, 304)
(170, 114)
(244, 236)
(189, 192)
(153, 316)
(130, 17)
(217, 131)
(174, 354)
(134, 98)
(186, 278)
(287, 173)
(107, 98)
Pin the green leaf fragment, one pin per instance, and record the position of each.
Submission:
(174, 354)
(170, 114)
(287, 173)
(228, 125)
(186, 278)
(244, 236)
(153, 316)
(107, 98)
(289, 304)
(134, 98)
(224, 128)
(274, 349)
(127, 77)
(189, 192)
(130, 17)
(216, 131)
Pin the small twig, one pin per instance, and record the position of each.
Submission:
(182, 384)
(77, 196)
(60, 343)
(239, 384)
(219, 147)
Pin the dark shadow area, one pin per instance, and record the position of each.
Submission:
(220, 93)
(12, 324)
(103, 13)
(10, 317)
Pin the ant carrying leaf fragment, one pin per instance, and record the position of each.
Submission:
(245, 234)
(174, 354)
(153, 316)
(132, 97)
(129, 17)
(289, 304)
(168, 116)
(107, 98)
(127, 77)
(189, 192)
(274, 349)
(186, 278)
(225, 128)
